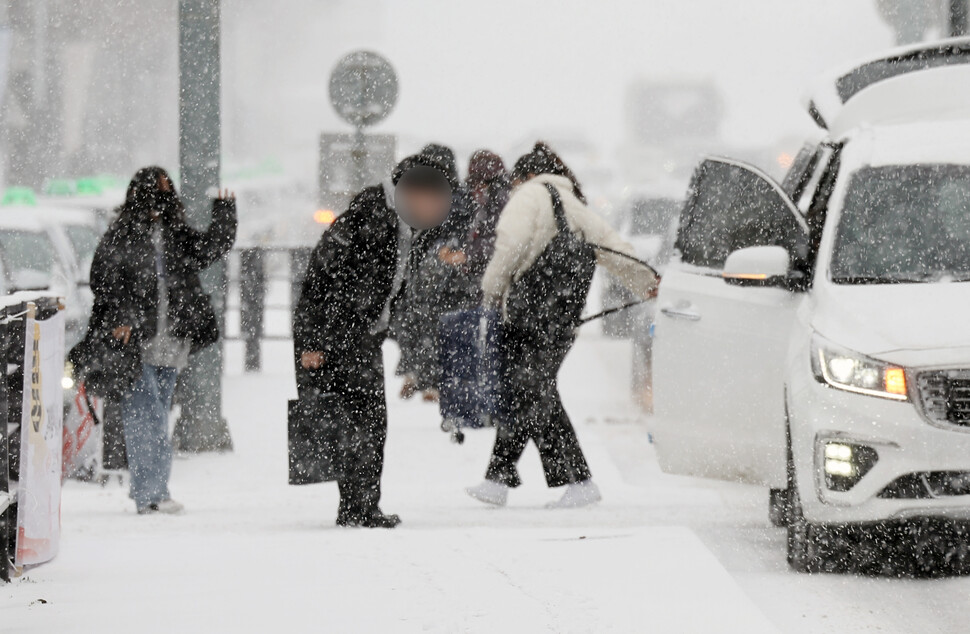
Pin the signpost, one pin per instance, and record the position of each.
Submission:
(363, 91)
(201, 426)
(958, 18)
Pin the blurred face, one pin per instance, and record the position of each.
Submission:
(423, 198)
(164, 185)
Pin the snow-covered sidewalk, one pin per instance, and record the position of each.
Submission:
(251, 554)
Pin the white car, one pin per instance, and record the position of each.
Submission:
(36, 253)
(818, 344)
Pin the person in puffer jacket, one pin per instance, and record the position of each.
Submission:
(531, 363)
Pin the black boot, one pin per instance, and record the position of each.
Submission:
(378, 519)
(350, 512)
(359, 509)
(373, 520)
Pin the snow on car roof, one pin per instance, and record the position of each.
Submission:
(922, 80)
(20, 217)
(926, 142)
(66, 215)
(939, 94)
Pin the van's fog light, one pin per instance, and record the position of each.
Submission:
(839, 468)
(838, 451)
(67, 381)
(845, 464)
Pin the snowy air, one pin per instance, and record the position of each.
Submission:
(521, 316)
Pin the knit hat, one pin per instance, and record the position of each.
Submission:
(484, 167)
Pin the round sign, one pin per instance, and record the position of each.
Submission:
(363, 88)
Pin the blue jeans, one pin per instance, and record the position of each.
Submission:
(144, 411)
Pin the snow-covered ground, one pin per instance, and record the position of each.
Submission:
(660, 554)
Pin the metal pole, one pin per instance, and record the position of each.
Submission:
(201, 426)
(360, 160)
(6, 514)
(252, 304)
(959, 18)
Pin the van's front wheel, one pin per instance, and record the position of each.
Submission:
(804, 538)
(778, 504)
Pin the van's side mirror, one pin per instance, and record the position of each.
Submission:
(765, 266)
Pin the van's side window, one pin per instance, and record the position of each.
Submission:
(732, 207)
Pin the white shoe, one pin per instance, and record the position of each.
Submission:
(494, 493)
(168, 507)
(577, 495)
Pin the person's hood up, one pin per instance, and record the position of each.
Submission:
(484, 167)
(426, 160)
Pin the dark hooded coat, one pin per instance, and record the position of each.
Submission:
(125, 283)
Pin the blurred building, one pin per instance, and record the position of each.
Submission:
(91, 87)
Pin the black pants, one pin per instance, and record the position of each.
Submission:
(358, 377)
(535, 412)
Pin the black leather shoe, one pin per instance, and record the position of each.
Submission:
(373, 520)
(380, 520)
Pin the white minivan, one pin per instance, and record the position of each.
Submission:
(815, 339)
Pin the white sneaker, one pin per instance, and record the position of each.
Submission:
(489, 492)
(577, 495)
(168, 507)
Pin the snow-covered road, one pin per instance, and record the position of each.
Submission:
(660, 554)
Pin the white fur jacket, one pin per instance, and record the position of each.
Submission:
(526, 226)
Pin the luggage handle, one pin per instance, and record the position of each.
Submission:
(616, 309)
(609, 311)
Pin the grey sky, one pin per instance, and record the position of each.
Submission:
(492, 73)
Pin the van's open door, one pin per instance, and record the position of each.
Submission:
(719, 349)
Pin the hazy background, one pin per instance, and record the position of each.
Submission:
(103, 73)
(494, 73)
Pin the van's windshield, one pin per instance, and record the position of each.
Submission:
(904, 224)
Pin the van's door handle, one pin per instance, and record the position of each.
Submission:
(680, 313)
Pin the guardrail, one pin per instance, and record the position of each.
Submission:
(264, 286)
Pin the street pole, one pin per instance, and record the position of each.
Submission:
(959, 18)
(201, 426)
(360, 160)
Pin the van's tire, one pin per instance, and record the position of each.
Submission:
(778, 507)
(806, 541)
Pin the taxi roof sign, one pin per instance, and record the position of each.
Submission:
(18, 196)
(60, 187)
(89, 187)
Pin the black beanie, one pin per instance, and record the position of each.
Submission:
(443, 155)
(435, 161)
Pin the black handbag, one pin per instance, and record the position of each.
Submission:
(317, 427)
(108, 367)
(548, 299)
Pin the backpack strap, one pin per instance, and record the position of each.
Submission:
(561, 223)
(557, 208)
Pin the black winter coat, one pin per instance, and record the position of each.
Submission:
(125, 284)
(349, 279)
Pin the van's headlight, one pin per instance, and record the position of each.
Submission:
(854, 372)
